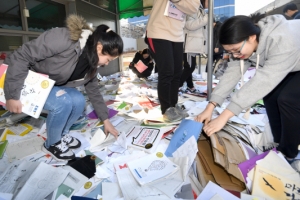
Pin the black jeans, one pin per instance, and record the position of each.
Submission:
(283, 110)
(168, 59)
(188, 71)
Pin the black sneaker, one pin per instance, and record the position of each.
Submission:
(71, 142)
(191, 91)
(59, 151)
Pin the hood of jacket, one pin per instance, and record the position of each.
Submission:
(267, 26)
(76, 24)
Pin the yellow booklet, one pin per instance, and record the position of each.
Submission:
(270, 185)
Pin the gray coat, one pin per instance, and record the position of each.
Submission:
(53, 53)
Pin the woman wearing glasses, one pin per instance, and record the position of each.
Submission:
(273, 44)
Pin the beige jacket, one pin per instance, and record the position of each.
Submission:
(196, 28)
(163, 27)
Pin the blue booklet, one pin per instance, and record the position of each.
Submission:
(186, 129)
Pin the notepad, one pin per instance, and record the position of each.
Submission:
(140, 66)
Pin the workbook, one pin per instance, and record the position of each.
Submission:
(151, 168)
(34, 93)
(271, 185)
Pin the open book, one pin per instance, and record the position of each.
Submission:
(34, 94)
(140, 66)
(151, 168)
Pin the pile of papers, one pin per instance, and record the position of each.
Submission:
(150, 159)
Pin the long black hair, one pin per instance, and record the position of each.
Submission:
(112, 44)
(238, 28)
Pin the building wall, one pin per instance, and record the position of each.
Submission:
(223, 9)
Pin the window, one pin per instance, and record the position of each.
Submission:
(10, 43)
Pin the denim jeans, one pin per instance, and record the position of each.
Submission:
(65, 105)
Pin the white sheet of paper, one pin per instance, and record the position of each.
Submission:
(92, 183)
(171, 184)
(122, 140)
(111, 191)
(6, 196)
(216, 197)
(84, 142)
(251, 197)
(116, 148)
(188, 149)
(131, 190)
(101, 173)
(45, 183)
(23, 148)
(74, 180)
(28, 180)
(120, 163)
(211, 189)
(115, 120)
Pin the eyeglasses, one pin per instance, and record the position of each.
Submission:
(238, 53)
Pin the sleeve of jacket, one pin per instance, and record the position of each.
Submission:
(188, 7)
(279, 62)
(136, 58)
(46, 45)
(196, 21)
(93, 92)
(228, 81)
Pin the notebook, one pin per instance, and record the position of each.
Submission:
(34, 94)
(140, 66)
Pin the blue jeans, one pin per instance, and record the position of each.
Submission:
(65, 105)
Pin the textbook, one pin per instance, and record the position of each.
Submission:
(151, 168)
(34, 94)
(270, 185)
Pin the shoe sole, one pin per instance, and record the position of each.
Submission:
(53, 156)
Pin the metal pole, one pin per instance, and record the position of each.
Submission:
(199, 64)
(210, 47)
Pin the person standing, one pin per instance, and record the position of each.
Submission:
(165, 39)
(71, 56)
(195, 44)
